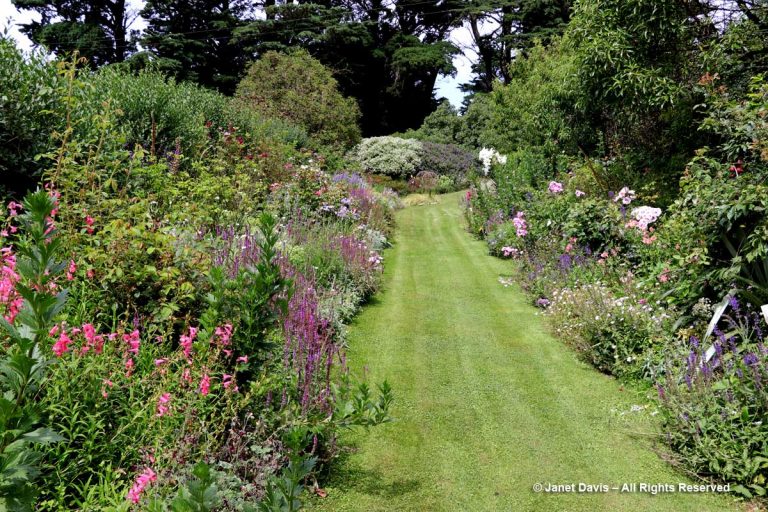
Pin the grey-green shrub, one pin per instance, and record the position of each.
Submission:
(388, 155)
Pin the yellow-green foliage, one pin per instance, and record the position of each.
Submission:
(299, 89)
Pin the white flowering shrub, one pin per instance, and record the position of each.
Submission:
(388, 155)
(488, 157)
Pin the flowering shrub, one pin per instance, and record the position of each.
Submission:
(488, 157)
(388, 155)
(714, 398)
(197, 331)
(616, 334)
(449, 162)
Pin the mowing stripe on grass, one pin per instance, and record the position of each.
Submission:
(487, 402)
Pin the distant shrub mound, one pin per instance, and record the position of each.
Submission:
(299, 89)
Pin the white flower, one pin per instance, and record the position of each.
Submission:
(645, 215)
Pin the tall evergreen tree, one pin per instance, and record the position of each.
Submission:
(387, 56)
(97, 29)
(514, 26)
(192, 40)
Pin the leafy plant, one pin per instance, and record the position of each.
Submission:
(23, 368)
(200, 494)
(388, 155)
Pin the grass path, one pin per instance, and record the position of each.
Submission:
(487, 402)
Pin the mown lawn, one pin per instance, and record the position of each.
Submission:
(488, 403)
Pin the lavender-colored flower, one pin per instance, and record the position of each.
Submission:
(694, 342)
(543, 302)
(555, 187)
(660, 390)
(750, 359)
(734, 303)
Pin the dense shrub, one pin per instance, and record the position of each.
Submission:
(30, 110)
(388, 155)
(448, 160)
(299, 89)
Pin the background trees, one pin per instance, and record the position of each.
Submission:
(192, 40)
(98, 29)
(387, 55)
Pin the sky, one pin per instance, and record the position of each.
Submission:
(447, 86)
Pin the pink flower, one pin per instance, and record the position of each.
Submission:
(227, 381)
(521, 227)
(71, 271)
(89, 223)
(159, 362)
(89, 273)
(205, 385)
(664, 276)
(186, 342)
(555, 187)
(133, 341)
(186, 375)
(225, 334)
(625, 195)
(129, 364)
(162, 404)
(93, 341)
(242, 359)
(142, 481)
(509, 251)
(104, 385)
(579, 193)
(13, 207)
(62, 345)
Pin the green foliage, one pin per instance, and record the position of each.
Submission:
(24, 365)
(29, 103)
(258, 294)
(518, 25)
(537, 107)
(388, 155)
(97, 30)
(200, 494)
(388, 60)
(172, 36)
(299, 89)
(714, 403)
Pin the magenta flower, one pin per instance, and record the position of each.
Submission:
(162, 404)
(224, 333)
(228, 382)
(186, 342)
(71, 270)
(205, 385)
(521, 227)
(141, 483)
(62, 345)
(133, 341)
